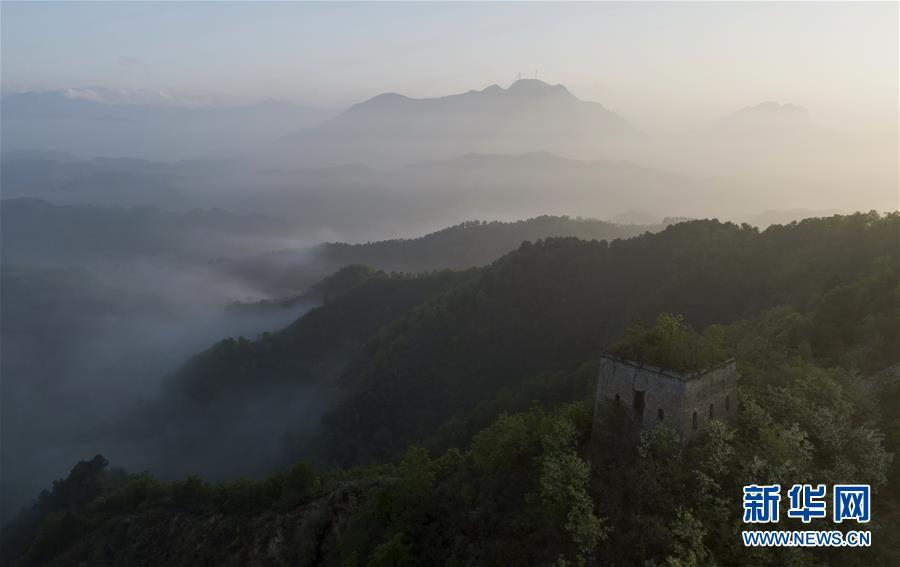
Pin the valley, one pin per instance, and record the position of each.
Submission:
(463, 284)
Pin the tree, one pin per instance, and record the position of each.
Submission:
(564, 489)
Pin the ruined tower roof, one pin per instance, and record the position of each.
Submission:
(683, 376)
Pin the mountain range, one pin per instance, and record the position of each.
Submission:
(355, 201)
(770, 114)
(101, 122)
(466, 245)
(36, 232)
(774, 150)
(390, 129)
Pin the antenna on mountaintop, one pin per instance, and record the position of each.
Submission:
(518, 76)
(535, 74)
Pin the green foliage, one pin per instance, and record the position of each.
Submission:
(824, 407)
(673, 345)
(138, 491)
(58, 531)
(300, 485)
(192, 491)
(57, 519)
(394, 552)
(280, 491)
(564, 489)
(93, 494)
(688, 548)
(505, 444)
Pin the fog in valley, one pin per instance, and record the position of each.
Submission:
(140, 226)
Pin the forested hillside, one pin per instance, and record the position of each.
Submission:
(421, 359)
(465, 408)
(556, 304)
(474, 243)
(466, 245)
(365, 301)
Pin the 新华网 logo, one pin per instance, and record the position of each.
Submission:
(807, 502)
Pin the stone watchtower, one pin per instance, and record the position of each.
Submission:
(685, 402)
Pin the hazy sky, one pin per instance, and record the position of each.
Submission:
(658, 64)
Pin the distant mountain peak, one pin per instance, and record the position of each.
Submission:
(523, 88)
(772, 107)
(535, 87)
(392, 130)
(118, 97)
(390, 96)
(770, 114)
(381, 102)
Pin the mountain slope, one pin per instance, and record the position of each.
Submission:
(466, 245)
(244, 406)
(549, 306)
(555, 304)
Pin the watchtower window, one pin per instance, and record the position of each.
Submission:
(727, 403)
(711, 411)
(660, 414)
(638, 404)
(694, 421)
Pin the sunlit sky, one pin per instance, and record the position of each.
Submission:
(663, 65)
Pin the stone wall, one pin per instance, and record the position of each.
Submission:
(712, 392)
(660, 397)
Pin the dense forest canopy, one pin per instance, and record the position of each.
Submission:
(464, 417)
(465, 245)
(555, 304)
